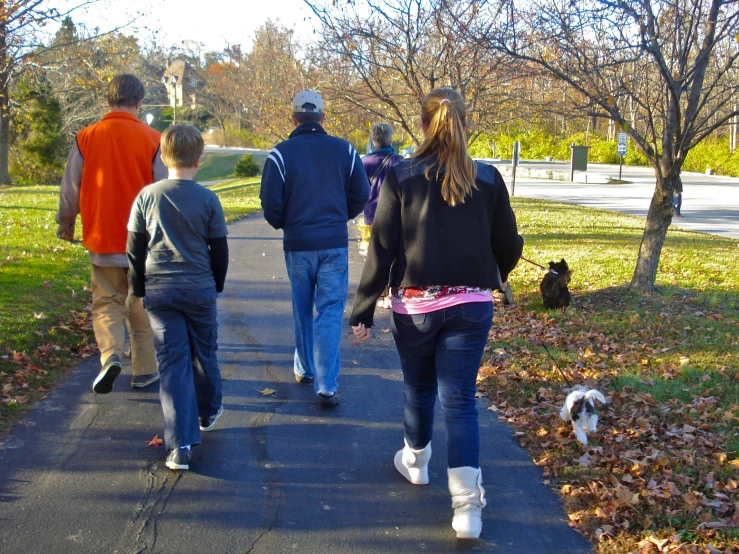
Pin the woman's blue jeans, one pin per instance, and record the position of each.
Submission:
(440, 353)
(186, 339)
(319, 280)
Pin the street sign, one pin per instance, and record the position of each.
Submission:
(622, 138)
(621, 150)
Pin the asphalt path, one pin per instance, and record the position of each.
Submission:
(279, 473)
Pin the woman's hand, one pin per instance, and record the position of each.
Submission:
(361, 332)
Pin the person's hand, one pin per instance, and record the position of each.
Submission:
(65, 233)
(361, 332)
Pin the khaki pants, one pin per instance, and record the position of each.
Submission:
(113, 305)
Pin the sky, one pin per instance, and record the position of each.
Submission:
(215, 23)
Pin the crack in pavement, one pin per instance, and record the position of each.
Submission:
(140, 533)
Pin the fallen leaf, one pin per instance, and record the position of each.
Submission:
(268, 392)
(156, 441)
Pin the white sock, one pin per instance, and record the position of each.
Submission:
(185, 447)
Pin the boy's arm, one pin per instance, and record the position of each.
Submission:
(218, 244)
(136, 248)
(359, 188)
(69, 195)
(219, 260)
(136, 253)
(271, 192)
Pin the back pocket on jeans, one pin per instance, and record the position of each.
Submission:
(412, 320)
(477, 311)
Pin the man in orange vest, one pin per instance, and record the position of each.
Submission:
(109, 164)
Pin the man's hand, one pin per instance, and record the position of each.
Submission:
(361, 332)
(65, 233)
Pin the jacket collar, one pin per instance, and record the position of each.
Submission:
(121, 115)
(384, 149)
(305, 128)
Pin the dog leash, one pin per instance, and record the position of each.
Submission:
(534, 263)
(544, 346)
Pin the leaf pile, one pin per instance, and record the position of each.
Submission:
(661, 473)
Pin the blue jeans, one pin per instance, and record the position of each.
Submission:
(185, 337)
(677, 202)
(440, 353)
(319, 280)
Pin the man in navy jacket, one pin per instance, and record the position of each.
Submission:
(312, 185)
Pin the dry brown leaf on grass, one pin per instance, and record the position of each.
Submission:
(268, 392)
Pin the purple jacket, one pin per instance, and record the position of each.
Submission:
(371, 162)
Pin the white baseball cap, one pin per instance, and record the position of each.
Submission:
(307, 101)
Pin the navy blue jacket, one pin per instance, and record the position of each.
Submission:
(312, 185)
(372, 162)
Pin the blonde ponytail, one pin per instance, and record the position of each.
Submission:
(443, 114)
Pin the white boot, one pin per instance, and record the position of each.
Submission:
(414, 464)
(468, 500)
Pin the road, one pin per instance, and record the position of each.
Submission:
(710, 203)
(278, 474)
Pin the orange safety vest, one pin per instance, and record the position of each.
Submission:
(118, 154)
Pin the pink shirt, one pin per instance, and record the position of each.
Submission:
(423, 300)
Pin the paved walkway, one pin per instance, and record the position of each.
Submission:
(710, 203)
(278, 474)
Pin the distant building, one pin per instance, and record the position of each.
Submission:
(183, 84)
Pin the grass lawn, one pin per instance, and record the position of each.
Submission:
(662, 471)
(220, 165)
(44, 298)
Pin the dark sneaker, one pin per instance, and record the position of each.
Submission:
(179, 458)
(141, 381)
(207, 423)
(329, 400)
(303, 379)
(103, 384)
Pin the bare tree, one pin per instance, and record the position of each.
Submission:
(383, 56)
(663, 70)
(273, 74)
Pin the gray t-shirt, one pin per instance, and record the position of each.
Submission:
(179, 217)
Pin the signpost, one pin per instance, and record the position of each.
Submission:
(621, 151)
(514, 163)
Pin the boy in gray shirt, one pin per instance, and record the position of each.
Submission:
(178, 257)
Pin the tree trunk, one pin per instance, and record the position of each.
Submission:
(4, 136)
(5, 68)
(659, 218)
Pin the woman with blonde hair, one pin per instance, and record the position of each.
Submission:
(377, 164)
(443, 229)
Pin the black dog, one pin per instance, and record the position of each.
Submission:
(553, 287)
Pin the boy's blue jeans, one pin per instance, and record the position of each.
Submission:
(319, 280)
(185, 337)
(440, 353)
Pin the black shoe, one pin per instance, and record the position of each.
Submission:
(329, 401)
(179, 458)
(303, 379)
(207, 423)
(141, 381)
(103, 384)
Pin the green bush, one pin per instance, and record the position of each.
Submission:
(246, 167)
(37, 150)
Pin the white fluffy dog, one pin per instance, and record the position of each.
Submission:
(579, 408)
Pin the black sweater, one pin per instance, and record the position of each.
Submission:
(419, 240)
